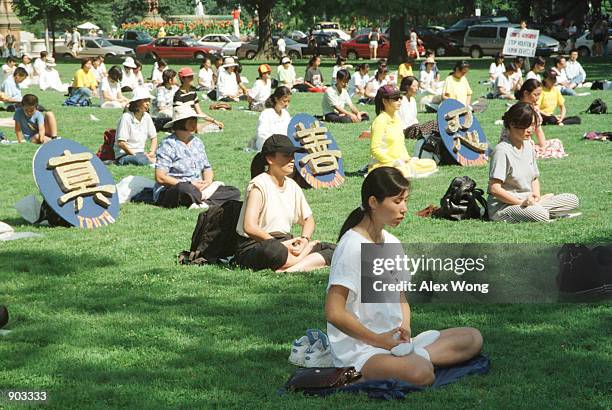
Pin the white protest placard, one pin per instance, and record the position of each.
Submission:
(521, 42)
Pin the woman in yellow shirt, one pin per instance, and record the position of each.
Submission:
(405, 69)
(387, 146)
(456, 85)
(550, 99)
(84, 83)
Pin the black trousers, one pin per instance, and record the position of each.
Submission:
(335, 117)
(272, 254)
(185, 194)
(552, 120)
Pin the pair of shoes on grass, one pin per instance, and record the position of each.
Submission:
(312, 350)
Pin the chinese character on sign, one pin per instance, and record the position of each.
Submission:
(471, 138)
(77, 178)
(320, 159)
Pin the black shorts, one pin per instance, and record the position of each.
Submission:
(272, 254)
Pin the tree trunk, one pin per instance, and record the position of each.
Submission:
(397, 54)
(469, 7)
(265, 48)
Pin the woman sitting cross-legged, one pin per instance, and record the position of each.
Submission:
(550, 99)
(514, 177)
(371, 336)
(387, 145)
(274, 119)
(183, 174)
(544, 148)
(337, 105)
(274, 202)
(133, 130)
(110, 90)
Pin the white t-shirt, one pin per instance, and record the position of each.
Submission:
(504, 82)
(271, 123)
(496, 70)
(408, 112)
(129, 79)
(281, 44)
(281, 208)
(357, 80)
(7, 71)
(332, 98)
(165, 97)
(227, 84)
(110, 87)
(39, 65)
(157, 76)
(377, 317)
(374, 85)
(533, 76)
(261, 91)
(205, 78)
(134, 132)
(286, 76)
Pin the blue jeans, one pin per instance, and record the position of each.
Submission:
(567, 91)
(137, 159)
(79, 94)
(579, 79)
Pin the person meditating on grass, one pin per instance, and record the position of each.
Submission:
(274, 202)
(374, 337)
(514, 177)
(337, 105)
(544, 148)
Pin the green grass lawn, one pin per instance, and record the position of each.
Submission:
(107, 318)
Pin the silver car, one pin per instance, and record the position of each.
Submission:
(95, 46)
(488, 39)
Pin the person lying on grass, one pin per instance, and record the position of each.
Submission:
(274, 202)
(372, 337)
(514, 177)
(183, 173)
(337, 105)
(544, 148)
(33, 125)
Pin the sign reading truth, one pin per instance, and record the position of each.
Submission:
(76, 184)
(462, 134)
(321, 166)
(521, 42)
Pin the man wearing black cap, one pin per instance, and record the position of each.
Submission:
(274, 202)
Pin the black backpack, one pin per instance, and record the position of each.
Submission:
(214, 236)
(433, 147)
(598, 106)
(462, 200)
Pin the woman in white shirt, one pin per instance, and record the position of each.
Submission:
(129, 79)
(286, 73)
(158, 71)
(206, 76)
(110, 90)
(374, 84)
(261, 90)
(165, 94)
(340, 65)
(26, 63)
(50, 78)
(538, 66)
(408, 106)
(274, 203)
(228, 89)
(376, 338)
(496, 68)
(504, 86)
(274, 119)
(359, 80)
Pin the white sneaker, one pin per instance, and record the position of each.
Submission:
(298, 350)
(318, 355)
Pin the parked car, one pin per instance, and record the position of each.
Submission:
(334, 32)
(296, 35)
(94, 46)
(176, 47)
(328, 45)
(443, 46)
(132, 39)
(358, 47)
(488, 39)
(456, 32)
(228, 42)
(584, 43)
(249, 50)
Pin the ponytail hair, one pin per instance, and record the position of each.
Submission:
(381, 183)
(279, 93)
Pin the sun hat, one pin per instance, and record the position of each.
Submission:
(389, 92)
(129, 62)
(182, 112)
(285, 60)
(141, 93)
(185, 72)
(229, 62)
(279, 143)
(264, 68)
(430, 60)
(50, 62)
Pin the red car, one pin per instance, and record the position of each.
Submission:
(176, 47)
(359, 47)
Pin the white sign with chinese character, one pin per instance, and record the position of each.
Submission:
(521, 42)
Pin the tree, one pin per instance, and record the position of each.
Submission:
(50, 11)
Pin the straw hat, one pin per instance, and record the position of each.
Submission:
(229, 62)
(129, 62)
(182, 112)
(141, 93)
